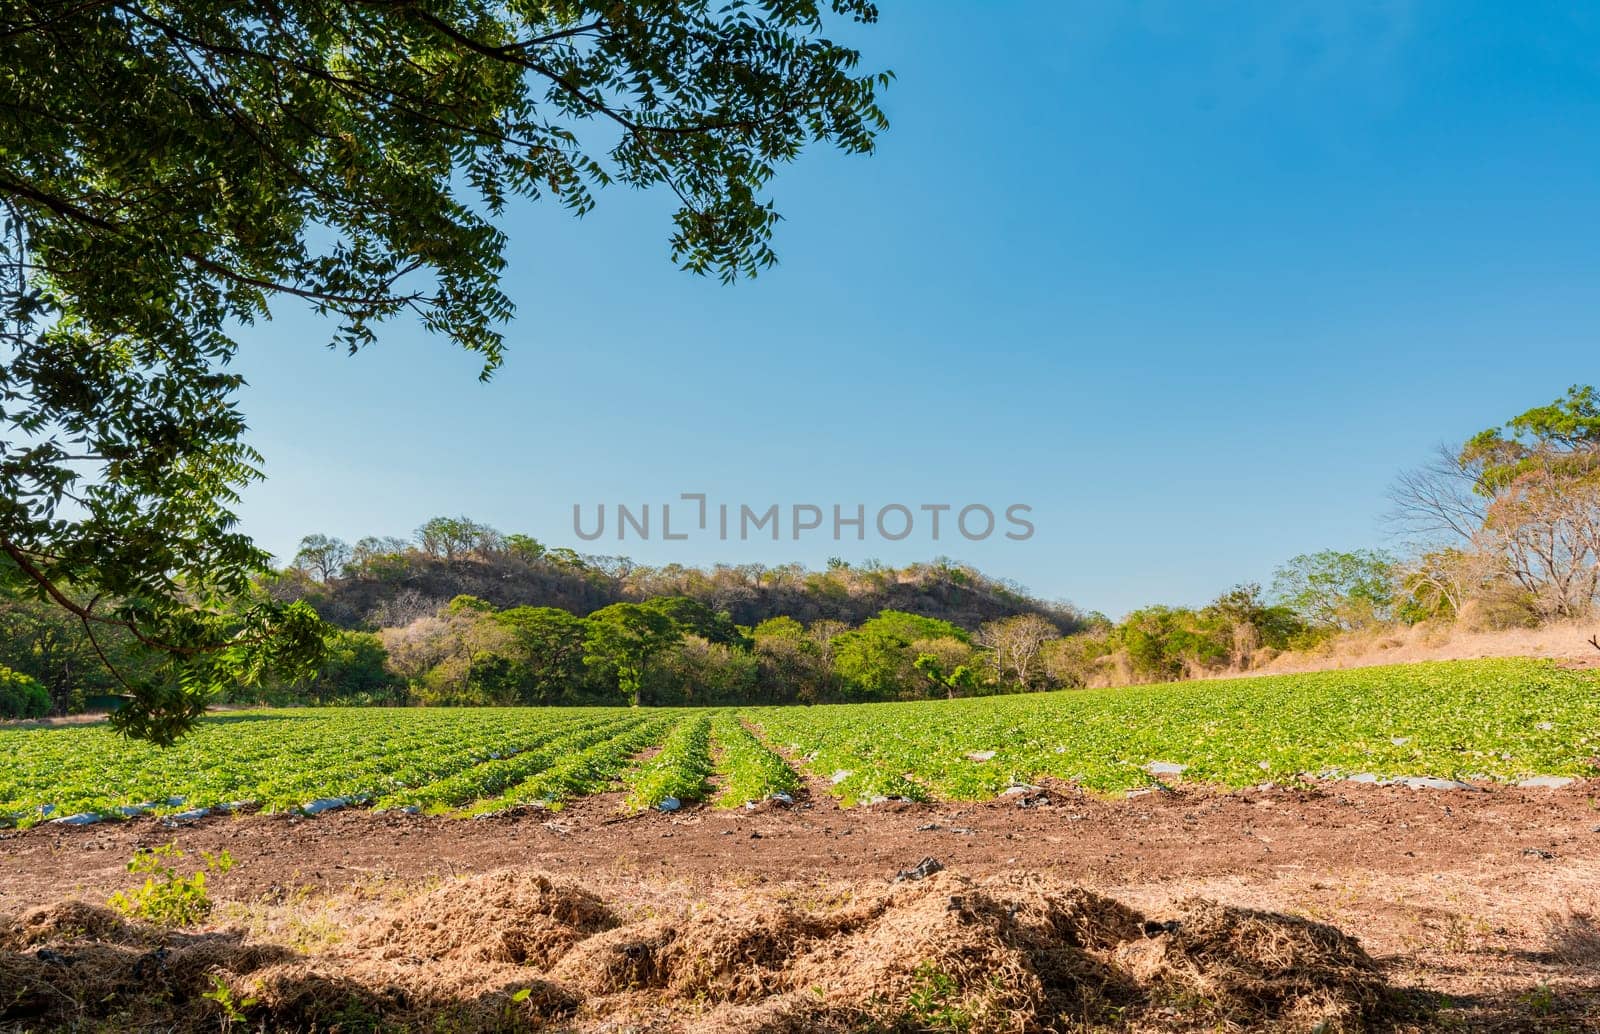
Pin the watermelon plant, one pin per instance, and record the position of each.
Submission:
(1501, 720)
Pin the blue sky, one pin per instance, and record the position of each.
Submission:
(1194, 281)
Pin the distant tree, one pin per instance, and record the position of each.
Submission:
(1337, 590)
(1017, 643)
(1169, 642)
(614, 567)
(793, 666)
(372, 547)
(1445, 499)
(1244, 623)
(696, 618)
(403, 608)
(947, 664)
(1076, 660)
(460, 655)
(547, 648)
(825, 633)
(1541, 473)
(698, 671)
(623, 640)
(524, 547)
(451, 538)
(415, 649)
(21, 696)
(1559, 441)
(1547, 527)
(1525, 497)
(878, 657)
(355, 671)
(1442, 583)
(321, 557)
(566, 557)
(781, 627)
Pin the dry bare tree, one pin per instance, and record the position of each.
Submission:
(1548, 528)
(823, 632)
(1444, 581)
(1444, 500)
(1526, 495)
(1017, 642)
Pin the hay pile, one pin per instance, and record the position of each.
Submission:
(72, 961)
(523, 918)
(1252, 967)
(67, 920)
(1006, 954)
(517, 949)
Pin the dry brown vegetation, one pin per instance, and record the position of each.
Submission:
(1347, 908)
(1557, 640)
(514, 949)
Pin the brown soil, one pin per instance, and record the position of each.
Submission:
(1280, 909)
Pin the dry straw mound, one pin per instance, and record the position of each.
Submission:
(1256, 968)
(359, 994)
(517, 917)
(1009, 954)
(72, 963)
(67, 920)
(519, 950)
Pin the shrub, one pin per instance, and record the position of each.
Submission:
(21, 696)
(166, 897)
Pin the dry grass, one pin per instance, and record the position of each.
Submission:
(1249, 967)
(1006, 954)
(523, 918)
(1565, 641)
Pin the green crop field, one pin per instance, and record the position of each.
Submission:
(1475, 720)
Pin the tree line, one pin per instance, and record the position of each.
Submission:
(676, 650)
(1503, 531)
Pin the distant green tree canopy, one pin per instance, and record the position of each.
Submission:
(1338, 589)
(1560, 440)
(624, 639)
(21, 695)
(881, 655)
(171, 171)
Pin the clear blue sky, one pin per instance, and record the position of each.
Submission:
(1192, 280)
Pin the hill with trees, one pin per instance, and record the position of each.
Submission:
(380, 582)
(461, 614)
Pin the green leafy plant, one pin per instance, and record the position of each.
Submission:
(168, 898)
(1499, 719)
(747, 769)
(232, 1007)
(680, 770)
(1540, 1000)
(933, 1002)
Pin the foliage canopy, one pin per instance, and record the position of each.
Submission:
(169, 172)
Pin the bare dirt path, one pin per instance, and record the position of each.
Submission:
(1157, 838)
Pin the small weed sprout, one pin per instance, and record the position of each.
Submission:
(1541, 1000)
(232, 1008)
(930, 1005)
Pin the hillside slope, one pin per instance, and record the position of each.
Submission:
(394, 594)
